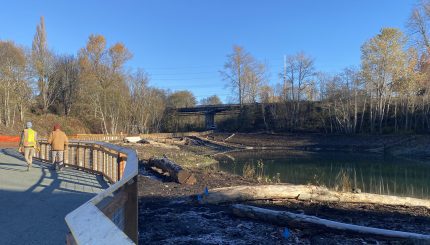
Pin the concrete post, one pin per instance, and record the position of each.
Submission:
(210, 120)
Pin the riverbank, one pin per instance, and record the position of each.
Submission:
(384, 144)
(170, 214)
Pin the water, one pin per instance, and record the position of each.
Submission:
(339, 171)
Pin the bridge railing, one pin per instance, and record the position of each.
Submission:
(175, 135)
(111, 216)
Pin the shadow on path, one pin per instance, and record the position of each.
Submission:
(33, 204)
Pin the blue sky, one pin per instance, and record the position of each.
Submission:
(184, 44)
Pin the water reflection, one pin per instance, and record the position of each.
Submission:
(340, 171)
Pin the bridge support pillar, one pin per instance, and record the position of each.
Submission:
(210, 120)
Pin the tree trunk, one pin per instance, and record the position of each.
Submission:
(355, 111)
(302, 220)
(175, 171)
(395, 116)
(362, 114)
(304, 192)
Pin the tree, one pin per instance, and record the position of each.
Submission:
(383, 64)
(181, 99)
(244, 75)
(148, 104)
(298, 75)
(42, 60)
(418, 24)
(267, 95)
(254, 78)
(211, 100)
(104, 79)
(14, 91)
(66, 79)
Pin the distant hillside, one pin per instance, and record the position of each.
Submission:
(45, 123)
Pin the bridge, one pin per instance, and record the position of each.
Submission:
(92, 201)
(209, 111)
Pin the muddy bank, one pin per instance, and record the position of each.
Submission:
(321, 142)
(169, 213)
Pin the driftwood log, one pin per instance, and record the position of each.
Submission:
(306, 193)
(176, 172)
(300, 220)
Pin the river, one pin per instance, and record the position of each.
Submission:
(342, 171)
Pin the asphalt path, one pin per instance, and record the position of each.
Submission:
(34, 203)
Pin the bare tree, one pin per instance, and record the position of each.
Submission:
(418, 24)
(254, 77)
(66, 79)
(211, 100)
(180, 99)
(104, 79)
(12, 81)
(298, 74)
(234, 70)
(383, 63)
(148, 104)
(42, 60)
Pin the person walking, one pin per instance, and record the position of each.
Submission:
(28, 144)
(59, 142)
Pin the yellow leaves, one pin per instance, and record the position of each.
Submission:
(384, 59)
(118, 48)
(96, 45)
(119, 55)
(12, 60)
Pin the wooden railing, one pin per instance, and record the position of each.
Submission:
(92, 157)
(111, 216)
(98, 137)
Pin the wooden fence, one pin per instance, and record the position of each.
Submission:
(111, 217)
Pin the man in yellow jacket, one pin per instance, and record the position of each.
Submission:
(59, 142)
(28, 144)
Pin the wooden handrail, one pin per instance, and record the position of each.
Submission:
(91, 157)
(98, 137)
(96, 220)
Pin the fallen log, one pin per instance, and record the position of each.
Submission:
(132, 139)
(300, 220)
(176, 172)
(305, 193)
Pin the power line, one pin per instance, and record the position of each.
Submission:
(191, 86)
(182, 79)
(182, 68)
(183, 73)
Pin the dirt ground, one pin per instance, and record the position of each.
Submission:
(311, 141)
(169, 213)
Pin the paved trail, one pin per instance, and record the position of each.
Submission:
(33, 204)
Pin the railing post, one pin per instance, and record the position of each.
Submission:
(115, 168)
(66, 155)
(109, 167)
(94, 163)
(84, 157)
(121, 165)
(78, 164)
